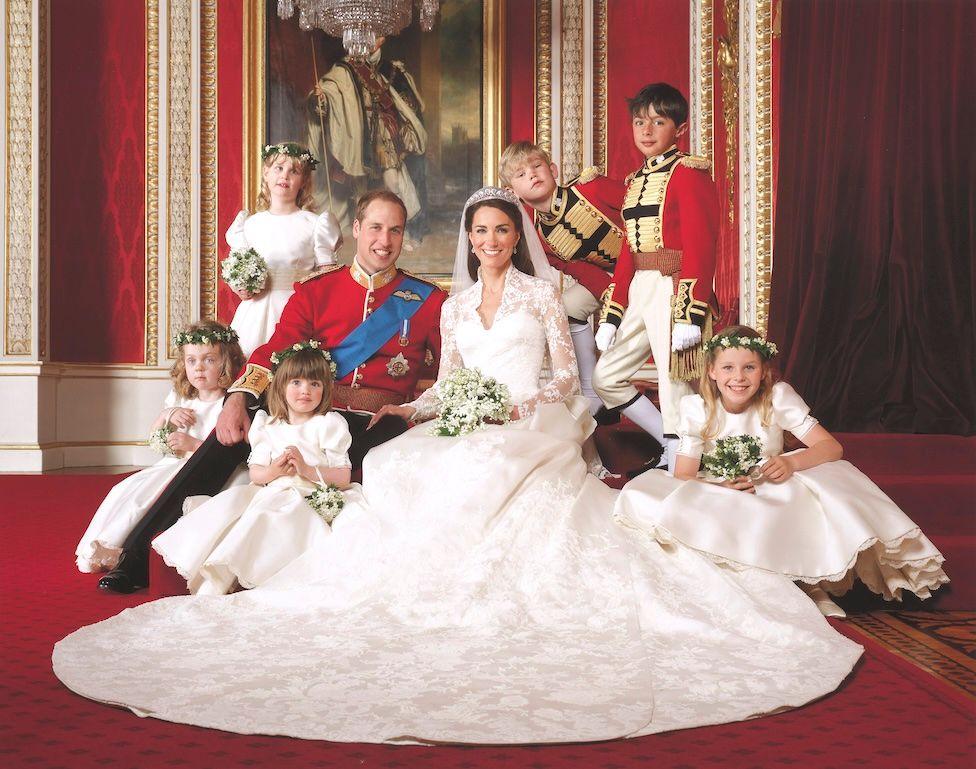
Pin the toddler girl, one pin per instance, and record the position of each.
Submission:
(805, 514)
(247, 534)
(293, 241)
(208, 359)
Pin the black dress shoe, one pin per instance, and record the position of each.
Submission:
(654, 463)
(131, 574)
(605, 416)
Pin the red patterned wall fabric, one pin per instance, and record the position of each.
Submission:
(230, 135)
(98, 158)
(520, 93)
(635, 57)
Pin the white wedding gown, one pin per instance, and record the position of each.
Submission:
(482, 594)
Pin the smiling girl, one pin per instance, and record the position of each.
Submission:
(805, 513)
(293, 241)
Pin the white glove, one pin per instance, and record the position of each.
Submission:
(605, 334)
(684, 335)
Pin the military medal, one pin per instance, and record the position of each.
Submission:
(398, 366)
(404, 332)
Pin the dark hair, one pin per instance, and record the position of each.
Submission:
(666, 100)
(385, 195)
(233, 360)
(520, 256)
(304, 364)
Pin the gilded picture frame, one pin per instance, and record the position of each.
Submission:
(432, 253)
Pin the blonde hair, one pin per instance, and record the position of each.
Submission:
(516, 154)
(231, 353)
(304, 364)
(709, 390)
(306, 196)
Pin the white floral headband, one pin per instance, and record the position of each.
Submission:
(765, 349)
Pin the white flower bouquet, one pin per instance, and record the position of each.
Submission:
(158, 440)
(327, 501)
(469, 398)
(733, 457)
(245, 270)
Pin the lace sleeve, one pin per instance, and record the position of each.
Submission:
(428, 404)
(565, 374)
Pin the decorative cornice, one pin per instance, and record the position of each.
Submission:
(179, 217)
(543, 74)
(208, 159)
(152, 182)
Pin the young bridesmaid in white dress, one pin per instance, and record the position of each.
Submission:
(245, 535)
(293, 241)
(209, 358)
(805, 514)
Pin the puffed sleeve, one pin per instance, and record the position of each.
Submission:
(565, 374)
(327, 237)
(691, 421)
(428, 404)
(235, 233)
(790, 411)
(260, 441)
(171, 400)
(334, 440)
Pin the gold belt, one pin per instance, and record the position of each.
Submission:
(364, 398)
(666, 261)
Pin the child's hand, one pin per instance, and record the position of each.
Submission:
(778, 469)
(181, 417)
(281, 466)
(182, 443)
(297, 462)
(243, 293)
(742, 483)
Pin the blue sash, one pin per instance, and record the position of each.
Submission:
(380, 326)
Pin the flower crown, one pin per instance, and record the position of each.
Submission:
(765, 349)
(492, 193)
(205, 336)
(292, 150)
(277, 358)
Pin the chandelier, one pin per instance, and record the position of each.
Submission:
(359, 22)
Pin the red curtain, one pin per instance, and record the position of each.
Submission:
(873, 279)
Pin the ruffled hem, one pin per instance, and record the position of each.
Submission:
(880, 565)
(97, 556)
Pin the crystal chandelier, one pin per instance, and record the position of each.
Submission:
(359, 22)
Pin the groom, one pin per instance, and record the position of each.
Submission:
(382, 327)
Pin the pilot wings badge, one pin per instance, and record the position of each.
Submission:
(407, 296)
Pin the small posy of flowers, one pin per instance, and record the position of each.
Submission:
(469, 399)
(311, 344)
(245, 270)
(158, 440)
(292, 150)
(733, 457)
(327, 501)
(765, 349)
(210, 336)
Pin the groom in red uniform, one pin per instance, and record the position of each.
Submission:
(382, 327)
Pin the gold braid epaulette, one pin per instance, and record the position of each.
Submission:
(320, 272)
(696, 161)
(254, 380)
(587, 175)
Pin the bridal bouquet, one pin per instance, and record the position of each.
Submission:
(468, 399)
(327, 501)
(158, 440)
(733, 457)
(244, 270)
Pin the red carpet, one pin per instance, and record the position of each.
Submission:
(888, 714)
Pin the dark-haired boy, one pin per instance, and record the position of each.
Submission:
(661, 301)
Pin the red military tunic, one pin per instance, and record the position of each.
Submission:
(670, 204)
(328, 307)
(583, 233)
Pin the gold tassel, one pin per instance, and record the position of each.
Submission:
(688, 365)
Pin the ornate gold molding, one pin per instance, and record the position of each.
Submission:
(255, 84)
(208, 159)
(18, 257)
(543, 74)
(43, 176)
(152, 182)
(571, 62)
(728, 64)
(702, 79)
(600, 84)
(179, 219)
(493, 87)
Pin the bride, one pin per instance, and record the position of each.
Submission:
(482, 592)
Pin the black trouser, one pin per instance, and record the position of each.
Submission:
(209, 467)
